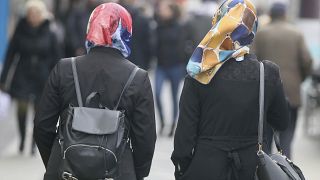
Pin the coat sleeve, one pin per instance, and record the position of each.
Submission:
(143, 129)
(47, 115)
(56, 53)
(304, 58)
(278, 112)
(187, 128)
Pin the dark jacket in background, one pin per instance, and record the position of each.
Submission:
(31, 55)
(200, 24)
(141, 48)
(217, 132)
(76, 29)
(174, 43)
(103, 70)
(281, 43)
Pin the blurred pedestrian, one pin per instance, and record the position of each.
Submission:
(32, 53)
(217, 131)
(201, 17)
(282, 43)
(141, 42)
(104, 70)
(77, 26)
(171, 56)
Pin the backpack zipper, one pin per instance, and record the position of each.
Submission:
(84, 145)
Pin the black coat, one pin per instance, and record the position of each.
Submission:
(76, 28)
(217, 132)
(103, 70)
(200, 26)
(37, 52)
(174, 43)
(141, 48)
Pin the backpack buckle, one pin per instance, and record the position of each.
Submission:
(68, 176)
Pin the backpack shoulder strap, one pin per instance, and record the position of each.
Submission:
(76, 82)
(132, 75)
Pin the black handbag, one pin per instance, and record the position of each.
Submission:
(276, 166)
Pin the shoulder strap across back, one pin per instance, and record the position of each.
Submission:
(132, 75)
(76, 82)
(78, 90)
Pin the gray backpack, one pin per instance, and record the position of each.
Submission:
(92, 140)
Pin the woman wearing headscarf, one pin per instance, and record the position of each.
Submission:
(217, 132)
(32, 53)
(105, 70)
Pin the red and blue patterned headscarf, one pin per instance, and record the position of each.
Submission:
(110, 25)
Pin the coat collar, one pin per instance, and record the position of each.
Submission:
(106, 51)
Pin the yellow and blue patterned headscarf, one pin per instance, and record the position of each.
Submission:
(234, 26)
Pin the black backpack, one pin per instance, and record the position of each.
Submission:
(92, 140)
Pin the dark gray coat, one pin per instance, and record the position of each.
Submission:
(103, 70)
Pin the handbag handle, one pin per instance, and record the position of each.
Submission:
(261, 106)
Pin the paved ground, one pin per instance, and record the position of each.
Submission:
(15, 167)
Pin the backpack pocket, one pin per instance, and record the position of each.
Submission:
(92, 143)
(90, 161)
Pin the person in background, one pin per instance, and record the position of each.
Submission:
(76, 26)
(217, 131)
(201, 17)
(284, 44)
(171, 56)
(104, 69)
(140, 44)
(32, 53)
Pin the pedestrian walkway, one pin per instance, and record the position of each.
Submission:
(13, 165)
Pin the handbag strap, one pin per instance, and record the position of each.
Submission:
(132, 75)
(76, 82)
(261, 106)
(261, 114)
